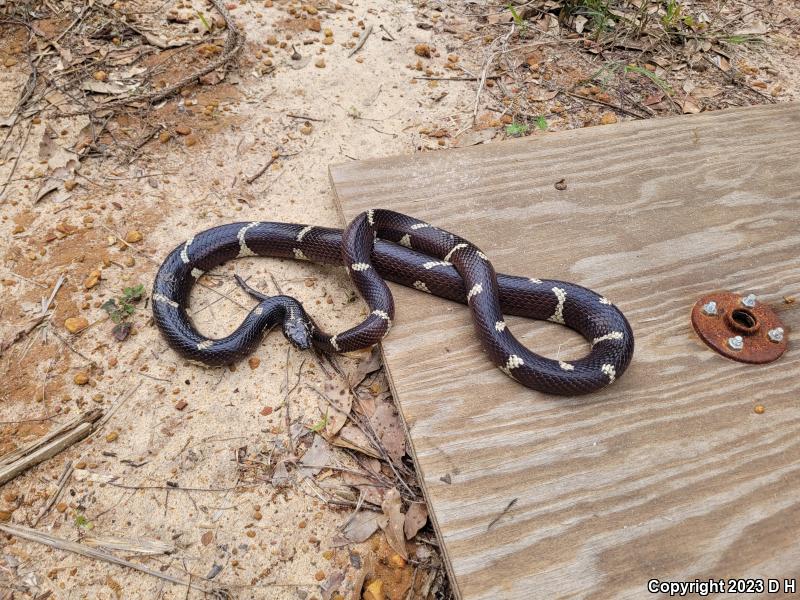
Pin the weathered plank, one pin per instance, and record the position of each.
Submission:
(667, 474)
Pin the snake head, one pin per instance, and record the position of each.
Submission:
(298, 329)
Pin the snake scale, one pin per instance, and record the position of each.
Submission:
(380, 245)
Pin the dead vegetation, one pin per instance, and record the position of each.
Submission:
(125, 114)
(563, 62)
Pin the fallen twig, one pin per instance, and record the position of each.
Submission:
(6, 344)
(361, 40)
(456, 78)
(62, 483)
(234, 43)
(386, 31)
(61, 544)
(16, 159)
(485, 70)
(303, 117)
(20, 460)
(622, 109)
(263, 169)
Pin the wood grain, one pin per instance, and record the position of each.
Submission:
(667, 474)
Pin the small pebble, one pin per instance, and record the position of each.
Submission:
(608, 118)
(92, 280)
(183, 130)
(76, 324)
(397, 561)
(320, 64)
(253, 361)
(133, 236)
(181, 404)
(423, 50)
(100, 75)
(111, 437)
(759, 409)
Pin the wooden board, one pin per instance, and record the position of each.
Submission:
(667, 474)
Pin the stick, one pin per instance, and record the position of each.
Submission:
(608, 104)
(61, 544)
(6, 344)
(16, 159)
(262, 170)
(304, 118)
(456, 78)
(16, 462)
(62, 483)
(234, 44)
(361, 40)
(484, 73)
(386, 31)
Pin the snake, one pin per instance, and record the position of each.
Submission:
(382, 245)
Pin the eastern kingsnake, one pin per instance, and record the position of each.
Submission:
(382, 244)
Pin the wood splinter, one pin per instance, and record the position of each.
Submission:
(22, 459)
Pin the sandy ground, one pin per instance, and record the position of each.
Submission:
(178, 430)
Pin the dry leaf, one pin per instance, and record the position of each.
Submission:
(360, 527)
(353, 438)
(690, 106)
(365, 367)
(544, 96)
(341, 402)
(318, 454)
(143, 546)
(753, 28)
(371, 493)
(708, 91)
(416, 517)
(55, 180)
(473, 138)
(388, 427)
(280, 475)
(108, 87)
(331, 584)
(395, 520)
(46, 144)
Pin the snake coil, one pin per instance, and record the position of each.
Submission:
(379, 245)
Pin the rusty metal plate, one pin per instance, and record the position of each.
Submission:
(739, 327)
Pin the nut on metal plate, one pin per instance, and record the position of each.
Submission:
(739, 327)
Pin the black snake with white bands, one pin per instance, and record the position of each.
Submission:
(381, 245)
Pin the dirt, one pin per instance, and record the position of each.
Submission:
(189, 455)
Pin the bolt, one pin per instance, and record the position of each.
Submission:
(710, 308)
(749, 301)
(736, 342)
(775, 335)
